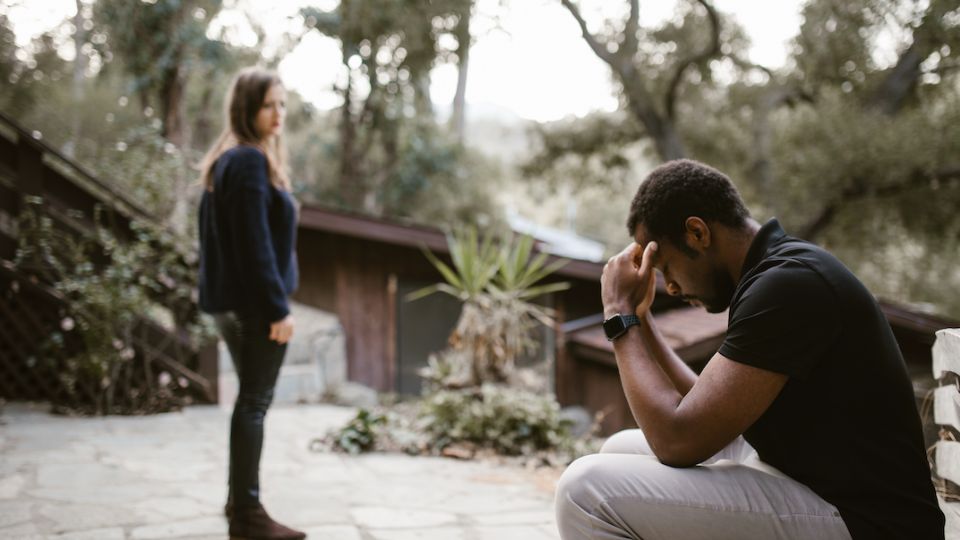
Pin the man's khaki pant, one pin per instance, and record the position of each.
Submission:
(625, 492)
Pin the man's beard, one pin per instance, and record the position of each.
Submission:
(721, 293)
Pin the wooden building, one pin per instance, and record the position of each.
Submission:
(362, 268)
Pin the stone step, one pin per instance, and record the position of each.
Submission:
(946, 352)
(946, 406)
(948, 460)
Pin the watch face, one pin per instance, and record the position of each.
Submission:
(613, 326)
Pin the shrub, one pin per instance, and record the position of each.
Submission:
(109, 286)
(497, 284)
(508, 420)
(360, 434)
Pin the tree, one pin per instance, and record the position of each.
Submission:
(651, 94)
(388, 51)
(160, 45)
(837, 139)
(157, 43)
(29, 74)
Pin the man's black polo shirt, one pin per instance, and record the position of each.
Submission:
(845, 424)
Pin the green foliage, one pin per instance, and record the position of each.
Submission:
(510, 421)
(519, 270)
(28, 75)
(360, 434)
(831, 49)
(475, 263)
(496, 283)
(843, 143)
(390, 154)
(466, 423)
(599, 149)
(110, 285)
(157, 42)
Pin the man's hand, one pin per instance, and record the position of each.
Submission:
(628, 284)
(282, 330)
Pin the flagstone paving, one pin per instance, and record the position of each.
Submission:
(164, 476)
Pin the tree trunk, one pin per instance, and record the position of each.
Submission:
(666, 140)
(902, 79)
(422, 102)
(79, 74)
(202, 131)
(348, 135)
(459, 117)
(896, 87)
(172, 105)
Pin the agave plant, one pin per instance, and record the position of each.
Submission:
(496, 283)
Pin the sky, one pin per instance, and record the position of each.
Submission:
(533, 63)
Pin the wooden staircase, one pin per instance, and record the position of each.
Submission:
(31, 310)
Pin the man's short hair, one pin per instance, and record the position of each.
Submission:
(680, 189)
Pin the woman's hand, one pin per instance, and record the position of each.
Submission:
(629, 283)
(282, 330)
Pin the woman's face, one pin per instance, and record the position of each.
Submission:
(272, 112)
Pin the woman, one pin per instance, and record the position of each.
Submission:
(248, 269)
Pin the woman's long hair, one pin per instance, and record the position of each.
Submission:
(243, 102)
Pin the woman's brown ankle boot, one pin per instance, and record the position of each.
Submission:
(253, 523)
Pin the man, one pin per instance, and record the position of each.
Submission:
(809, 375)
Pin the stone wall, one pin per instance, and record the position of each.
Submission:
(315, 366)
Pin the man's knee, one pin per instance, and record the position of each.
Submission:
(571, 482)
(591, 491)
(576, 498)
(628, 441)
(585, 484)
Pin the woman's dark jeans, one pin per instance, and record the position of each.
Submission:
(257, 360)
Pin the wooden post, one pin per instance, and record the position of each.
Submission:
(29, 169)
(561, 368)
(391, 338)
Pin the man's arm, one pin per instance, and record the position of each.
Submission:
(680, 374)
(684, 426)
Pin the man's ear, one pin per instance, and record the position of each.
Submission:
(698, 233)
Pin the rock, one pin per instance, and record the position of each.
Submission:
(460, 450)
(354, 395)
(581, 420)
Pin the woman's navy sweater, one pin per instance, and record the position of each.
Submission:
(247, 236)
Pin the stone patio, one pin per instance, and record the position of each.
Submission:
(163, 476)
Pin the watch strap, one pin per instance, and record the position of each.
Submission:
(626, 321)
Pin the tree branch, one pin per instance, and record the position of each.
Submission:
(918, 179)
(896, 87)
(747, 64)
(591, 40)
(712, 50)
(630, 31)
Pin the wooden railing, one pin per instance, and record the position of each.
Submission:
(31, 310)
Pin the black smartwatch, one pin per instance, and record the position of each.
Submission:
(617, 325)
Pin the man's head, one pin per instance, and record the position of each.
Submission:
(682, 205)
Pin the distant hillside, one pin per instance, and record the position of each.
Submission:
(495, 131)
